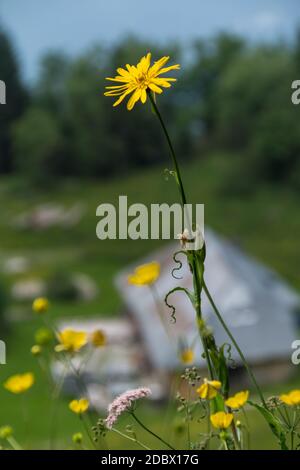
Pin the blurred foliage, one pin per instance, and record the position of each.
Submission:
(229, 95)
(255, 114)
(60, 286)
(16, 100)
(3, 305)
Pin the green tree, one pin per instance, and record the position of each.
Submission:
(255, 114)
(39, 146)
(16, 100)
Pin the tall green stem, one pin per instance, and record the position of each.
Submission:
(173, 155)
(197, 283)
(15, 445)
(246, 365)
(151, 432)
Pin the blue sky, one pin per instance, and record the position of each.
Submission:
(74, 25)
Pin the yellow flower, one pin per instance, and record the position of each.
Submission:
(292, 398)
(71, 340)
(6, 432)
(40, 305)
(36, 350)
(209, 389)
(77, 438)
(145, 274)
(187, 356)
(238, 400)
(140, 79)
(98, 339)
(79, 406)
(221, 420)
(19, 383)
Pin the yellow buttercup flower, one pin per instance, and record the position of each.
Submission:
(292, 398)
(145, 274)
(19, 383)
(40, 305)
(6, 432)
(139, 79)
(36, 350)
(187, 356)
(79, 406)
(77, 438)
(209, 389)
(98, 339)
(221, 420)
(71, 340)
(238, 400)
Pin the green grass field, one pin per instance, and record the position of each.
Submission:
(266, 223)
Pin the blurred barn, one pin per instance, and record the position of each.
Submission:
(258, 307)
(143, 345)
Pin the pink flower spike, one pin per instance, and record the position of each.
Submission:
(123, 403)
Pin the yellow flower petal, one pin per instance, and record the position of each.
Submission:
(158, 65)
(36, 350)
(161, 82)
(221, 420)
(167, 69)
(238, 400)
(117, 79)
(124, 73)
(79, 406)
(71, 340)
(98, 339)
(292, 398)
(133, 99)
(209, 389)
(40, 305)
(155, 88)
(187, 356)
(144, 96)
(145, 274)
(19, 383)
(116, 103)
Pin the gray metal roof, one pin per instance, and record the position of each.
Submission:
(255, 303)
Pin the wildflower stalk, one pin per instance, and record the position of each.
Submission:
(187, 414)
(179, 182)
(151, 432)
(54, 407)
(235, 436)
(247, 427)
(197, 284)
(246, 365)
(14, 444)
(130, 438)
(195, 262)
(88, 432)
(225, 444)
(173, 155)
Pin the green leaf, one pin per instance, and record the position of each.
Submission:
(274, 424)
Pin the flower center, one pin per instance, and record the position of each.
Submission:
(143, 81)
